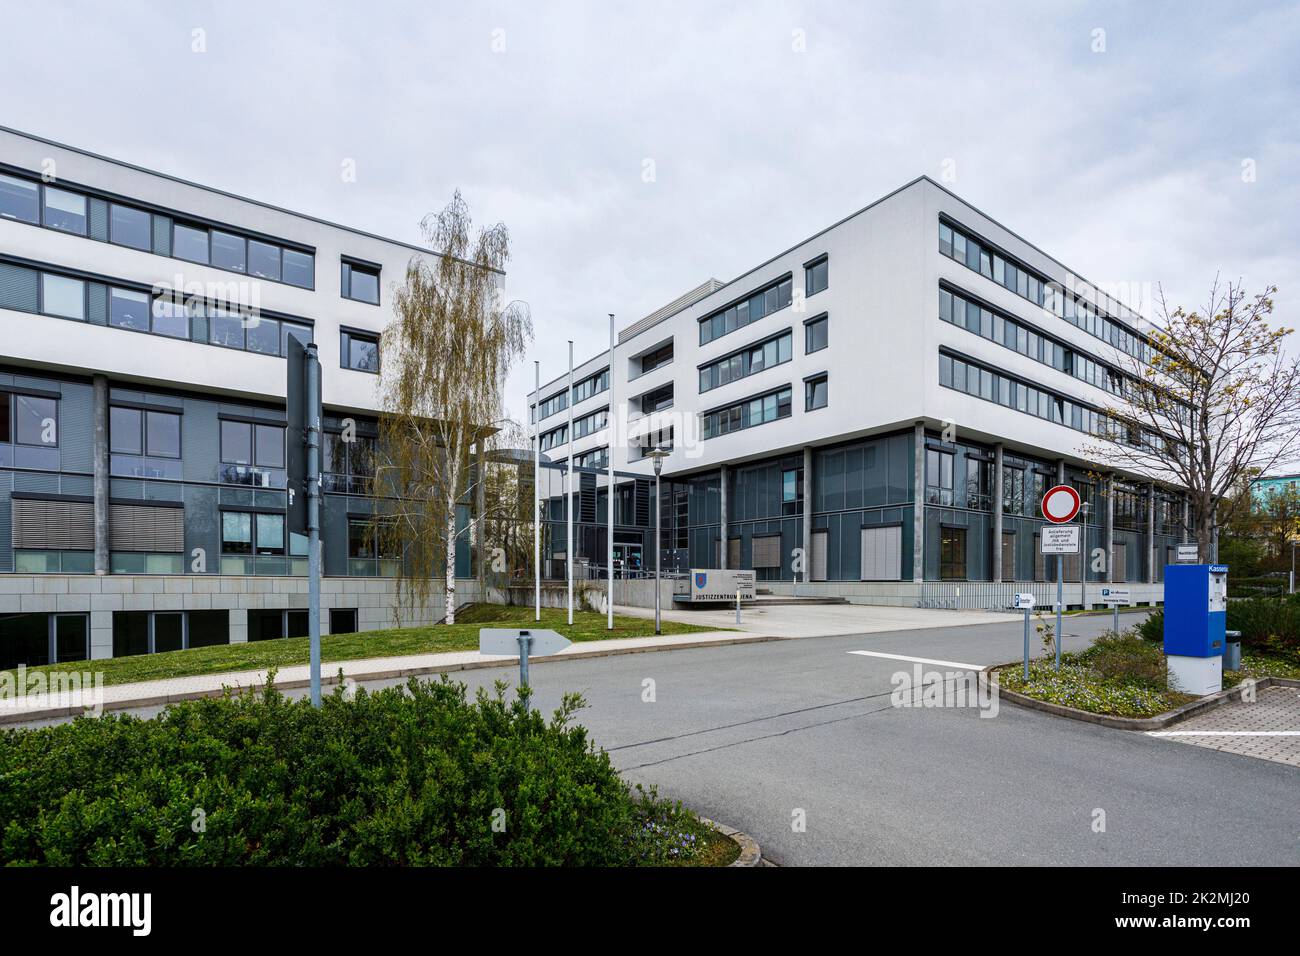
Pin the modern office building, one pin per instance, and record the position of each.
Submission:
(143, 322)
(889, 398)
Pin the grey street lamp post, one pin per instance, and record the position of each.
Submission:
(658, 455)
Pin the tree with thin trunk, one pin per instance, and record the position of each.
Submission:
(1215, 398)
(443, 368)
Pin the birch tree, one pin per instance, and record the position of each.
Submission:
(1218, 399)
(443, 367)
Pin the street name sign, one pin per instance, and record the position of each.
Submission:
(1188, 553)
(1059, 539)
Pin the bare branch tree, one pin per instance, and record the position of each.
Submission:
(1218, 399)
(442, 375)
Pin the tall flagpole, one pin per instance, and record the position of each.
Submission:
(609, 463)
(537, 485)
(568, 488)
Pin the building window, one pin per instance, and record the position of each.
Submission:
(20, 200)
(938, 477)
(591, 385)
(65, 211)
(229, 251)
(253, 449)
(815, 334)
(236, 532)
(153, 632)
(554, 437)
(747, 414)
(952, 554)
(761, 304)
(63, 297)
(557, 402)
(348, 465)
(190, 243)
(263, 260)
(661, 439)
(171, 318)
(816, 276)
(815, 393)
(657, 399)
(135, 431)
(792, 491)
(359, 351)
(343, 620)
(360, 282)
(226, 327)
(368, 552)
(656, 359)
(36, 421)
(130, 227)
(128, 309)
(748, 361)
(299, 268)
(1013, 490)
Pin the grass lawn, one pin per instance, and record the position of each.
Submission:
(395, 642)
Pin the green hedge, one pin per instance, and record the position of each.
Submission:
(402, 776)
(1268, 625)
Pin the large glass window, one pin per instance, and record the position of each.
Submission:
(236, 442)
(359, 351)
(269, 446)
(360, 282)
(226, 327)
(263, 260)
(300, 332)
(299, 268)
(758, 306)
(162, 434)
(263, 335)
(130, 227)
(19, 199)
(270, 533)
(36, 421)
(171, 318)
(63, 297)
(228, 251)
(125, 432)
(236, 532)
(128, 309)
(190, 242)
(65, 211)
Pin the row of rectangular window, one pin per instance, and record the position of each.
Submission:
(190, 319)
(596, 458)
(775, 351)
(747, 414)
(761, 304)
(971, 252)
(1015, 335)
(980, 382)
(42, 204)
(589, 386)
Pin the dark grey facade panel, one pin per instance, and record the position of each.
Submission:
(19, 288)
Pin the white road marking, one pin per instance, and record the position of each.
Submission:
(1223, 733)
(920, 660)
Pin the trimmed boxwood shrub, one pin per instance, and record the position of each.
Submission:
(403, 776)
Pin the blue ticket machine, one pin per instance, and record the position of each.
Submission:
(1196, 610)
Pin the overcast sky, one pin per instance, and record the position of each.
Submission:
(1121, 138)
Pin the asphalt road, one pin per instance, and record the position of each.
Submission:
(764, 735)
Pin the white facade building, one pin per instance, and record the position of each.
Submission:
(815, 375)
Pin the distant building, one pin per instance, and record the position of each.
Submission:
(1262, 489)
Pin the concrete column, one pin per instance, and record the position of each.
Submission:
(1108, 531)
(239, 624)
(1060, 471)
(1187, 520)
(807, 513)
(997, 511)
(101, 485)
(918, 502)
(723, 546)
(1151, 533)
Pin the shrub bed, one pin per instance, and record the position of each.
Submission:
(1121, 675)
(419, 775)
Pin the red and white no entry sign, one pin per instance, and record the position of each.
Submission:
(1060, 504)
